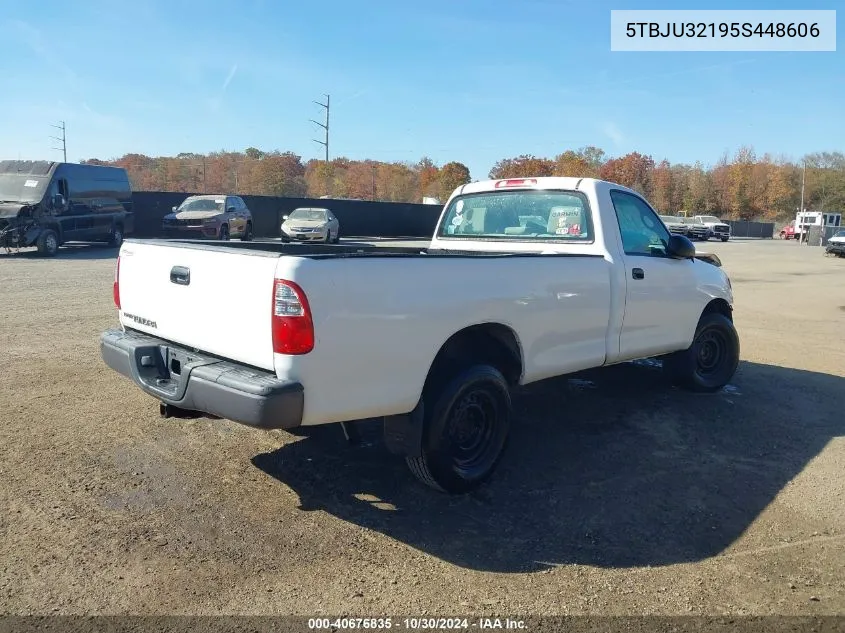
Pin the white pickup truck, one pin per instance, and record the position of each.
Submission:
(524, 279)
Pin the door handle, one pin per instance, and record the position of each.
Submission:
(180, 275)
(637, 273)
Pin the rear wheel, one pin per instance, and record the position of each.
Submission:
(724, 239)
(48, 243)
(247, 236)
(711, 361)
(466, 421)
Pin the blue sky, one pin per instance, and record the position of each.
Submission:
(454, 80)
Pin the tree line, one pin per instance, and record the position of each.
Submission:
(741, 187)
(275, 173)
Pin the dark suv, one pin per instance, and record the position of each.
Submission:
(210, 216)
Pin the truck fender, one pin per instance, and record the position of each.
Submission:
(32, 233)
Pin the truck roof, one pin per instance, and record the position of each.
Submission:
(538, 182)
(32, 167)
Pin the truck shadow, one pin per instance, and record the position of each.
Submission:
(612, 468)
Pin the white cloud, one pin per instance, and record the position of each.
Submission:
(229, 78)
(613, 133)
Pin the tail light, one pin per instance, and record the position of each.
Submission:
(116, 286)
(293, 328)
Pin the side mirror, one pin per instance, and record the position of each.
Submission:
(58, 201)
(284, 217)
(174, 209)
(680, 247)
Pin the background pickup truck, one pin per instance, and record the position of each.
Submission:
(718, 229)
(523, 280)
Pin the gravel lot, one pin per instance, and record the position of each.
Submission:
(618, 495)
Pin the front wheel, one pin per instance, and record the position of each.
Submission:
(711, 361)
(465, 428)
(247, 236)
(724, 239)
(224, 233)
(116, 238)
(47, 243)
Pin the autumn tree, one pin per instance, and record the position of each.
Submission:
(740, 186)
(594, 157)
(452, 175)
(633, 170)
(825, 181)
(663, 188)
(429, 176)
(524, 166)
(573, 165)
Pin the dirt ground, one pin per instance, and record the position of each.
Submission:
(618, 495)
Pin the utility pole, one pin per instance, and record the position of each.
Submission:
(801, 210)
(62, 139)
(325, 143)
(374, 182)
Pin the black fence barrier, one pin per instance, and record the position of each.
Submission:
(744, 228)
(357, 217)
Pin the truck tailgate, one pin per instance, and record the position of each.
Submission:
(212, 299)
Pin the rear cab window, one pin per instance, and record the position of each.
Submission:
(519, 216)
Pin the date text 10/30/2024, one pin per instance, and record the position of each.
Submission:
(415, 624)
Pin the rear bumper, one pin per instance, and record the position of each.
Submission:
(197, 382)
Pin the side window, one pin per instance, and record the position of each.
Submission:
(240, 205)
(642, 231)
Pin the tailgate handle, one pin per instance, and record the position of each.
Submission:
(180, 275)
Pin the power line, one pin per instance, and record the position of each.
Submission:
(62, 140)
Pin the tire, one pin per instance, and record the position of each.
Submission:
(328, 239)
(724, 239)
(224, 233)
(337, 237)
(474, 403)
(116, 238)
(247, 236)
(711, 361)
(48, 243)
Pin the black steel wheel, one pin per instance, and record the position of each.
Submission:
(465, 430)
(711, 361)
